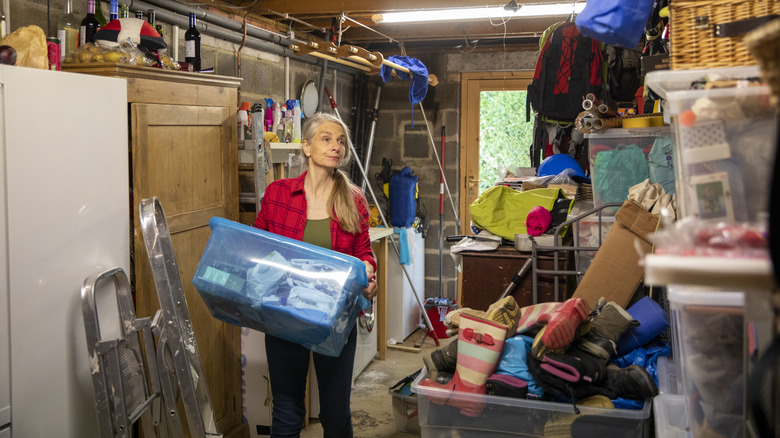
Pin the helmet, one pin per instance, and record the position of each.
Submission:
(557, 163)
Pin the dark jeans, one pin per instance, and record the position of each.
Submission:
(288, 366)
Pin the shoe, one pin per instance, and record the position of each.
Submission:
(504, 311)
(606, 328)
(575, 366)
(561, 328)
(632, 382)
(452, 319)
(441, 360)
(506, 386)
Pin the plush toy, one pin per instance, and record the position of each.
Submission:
(136, 30)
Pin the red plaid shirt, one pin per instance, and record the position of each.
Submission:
(283, 211)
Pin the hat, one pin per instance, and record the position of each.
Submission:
(141, 33)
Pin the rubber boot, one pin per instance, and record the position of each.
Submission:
(560, 329)
(480, 342)
(606, 328)
(442, 360)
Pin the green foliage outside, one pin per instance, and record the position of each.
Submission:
(504, 136)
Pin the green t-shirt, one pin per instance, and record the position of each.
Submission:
(317, 232)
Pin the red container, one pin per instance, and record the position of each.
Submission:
(53, 44)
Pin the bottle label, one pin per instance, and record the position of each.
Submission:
(189, 49)
(63, 43)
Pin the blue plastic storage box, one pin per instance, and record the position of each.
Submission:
(280, 286)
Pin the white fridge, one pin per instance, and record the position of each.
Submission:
(64, 214)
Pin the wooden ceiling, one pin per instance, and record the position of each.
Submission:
(308, 18)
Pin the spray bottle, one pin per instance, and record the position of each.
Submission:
(269, 115)
(296, 131)
(278, 123)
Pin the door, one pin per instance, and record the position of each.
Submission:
(472, 87)
(182, 154)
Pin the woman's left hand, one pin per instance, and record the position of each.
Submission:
(369, 292)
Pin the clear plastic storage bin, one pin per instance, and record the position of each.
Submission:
(622, 158)
(709, 344)
(726, 141)
(507, 417)
(671, 417)
(280, 286)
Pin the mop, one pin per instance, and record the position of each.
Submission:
(428, 324)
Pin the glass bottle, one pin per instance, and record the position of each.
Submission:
(192, 44)
(113, 12)
(124, 10)
(89, 25)
(139, 15)
(68, 30)
(150, 15)
(101, 18)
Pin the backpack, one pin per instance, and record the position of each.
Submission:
(624, 73)
(569, 66)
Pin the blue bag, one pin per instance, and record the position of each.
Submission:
(617, 22)
(403, 202)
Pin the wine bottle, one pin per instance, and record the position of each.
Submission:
(89, 25)
(68, 30)
(150, 16)
(139, 15)
(113, 12)
(192, 44)
(124, 10)
(99, 13)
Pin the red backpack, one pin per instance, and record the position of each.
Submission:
(569, 66)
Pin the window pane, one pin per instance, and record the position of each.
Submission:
(504, 136)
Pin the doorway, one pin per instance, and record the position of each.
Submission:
(501, 124)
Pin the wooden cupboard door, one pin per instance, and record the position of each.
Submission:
(186, 157)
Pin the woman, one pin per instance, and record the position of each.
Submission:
(324, 208)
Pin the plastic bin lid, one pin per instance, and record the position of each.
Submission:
(654, 131)
(705, 297)
(663, 82)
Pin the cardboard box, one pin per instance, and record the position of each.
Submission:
(615, 272)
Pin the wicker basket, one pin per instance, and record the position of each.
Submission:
(692, 39)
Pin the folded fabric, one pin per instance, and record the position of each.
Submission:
(265, 275)
(538, 221)
(404, 255)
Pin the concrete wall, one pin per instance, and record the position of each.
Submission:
(401, 132)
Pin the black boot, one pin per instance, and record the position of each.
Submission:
(631, 382)
(442, 360)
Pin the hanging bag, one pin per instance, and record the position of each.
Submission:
(617, 22)
(403, 204)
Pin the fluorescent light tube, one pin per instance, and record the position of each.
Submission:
(528, 10)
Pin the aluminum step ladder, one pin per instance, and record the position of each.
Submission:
(118, 366)
(132, 383)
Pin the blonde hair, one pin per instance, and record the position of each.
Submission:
(344, 193)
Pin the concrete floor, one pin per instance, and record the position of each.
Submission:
(372, 404)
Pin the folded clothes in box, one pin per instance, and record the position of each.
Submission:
(280, 286)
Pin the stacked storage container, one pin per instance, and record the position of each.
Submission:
(718, 279)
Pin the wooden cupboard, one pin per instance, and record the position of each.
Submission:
(184, 151)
